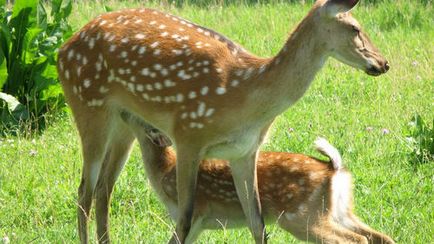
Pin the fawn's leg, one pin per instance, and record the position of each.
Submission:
(329, 232)
(316, 230)
(246, 184)
(93, 126)
(118, 151)
(351, 222)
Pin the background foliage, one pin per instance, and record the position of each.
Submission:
(29, 41)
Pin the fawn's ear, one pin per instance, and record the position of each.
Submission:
(334, 7)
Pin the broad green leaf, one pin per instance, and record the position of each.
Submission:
(20, 5)
(30, 44)
(52, 92)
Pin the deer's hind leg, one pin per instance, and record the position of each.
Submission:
(119, 147)
(93, 125)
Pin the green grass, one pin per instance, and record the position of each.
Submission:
(39, 176)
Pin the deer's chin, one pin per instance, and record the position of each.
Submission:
(373, 71)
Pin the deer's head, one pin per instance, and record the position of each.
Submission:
(344, 38)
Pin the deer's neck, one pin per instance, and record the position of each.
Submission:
(291, 72)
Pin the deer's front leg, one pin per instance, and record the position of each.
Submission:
(245, 179)
(186, 177)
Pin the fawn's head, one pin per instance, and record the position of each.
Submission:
(344, 38)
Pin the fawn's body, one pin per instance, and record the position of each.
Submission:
(310, 198)
(207, 94)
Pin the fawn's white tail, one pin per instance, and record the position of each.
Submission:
(325, 148)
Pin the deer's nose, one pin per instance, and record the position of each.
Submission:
(386, 66)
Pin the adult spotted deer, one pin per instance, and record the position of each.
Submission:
(212, 98)
(308, 197)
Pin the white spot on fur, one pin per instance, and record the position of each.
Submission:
(112, 48)
(70, 54)
(192, 95)
(86, 83)
(235, 83)
(140, 87)
(164, 72)
(158, 86)
(142, 50)
(91, 43)
(220, 90)
(124, 54)
(103, 89)
(103, 22)
(201, 109)
(204, 90)
(179, 97)
(145, 71)
(95, 103)
(196, 125)
(157, 66)
(209, 112)
(169, 83)
(139, 36)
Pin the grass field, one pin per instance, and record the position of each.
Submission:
(365, 118)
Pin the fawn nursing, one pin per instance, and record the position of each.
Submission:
(212, 98)
(308, 197)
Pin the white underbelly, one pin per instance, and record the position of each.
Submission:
(235, 147)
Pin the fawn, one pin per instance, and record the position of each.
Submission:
(212, 98)
(308, 197)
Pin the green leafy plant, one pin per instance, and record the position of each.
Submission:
(29, 40)
(421, 140)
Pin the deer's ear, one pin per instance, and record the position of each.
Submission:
(334, 7)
